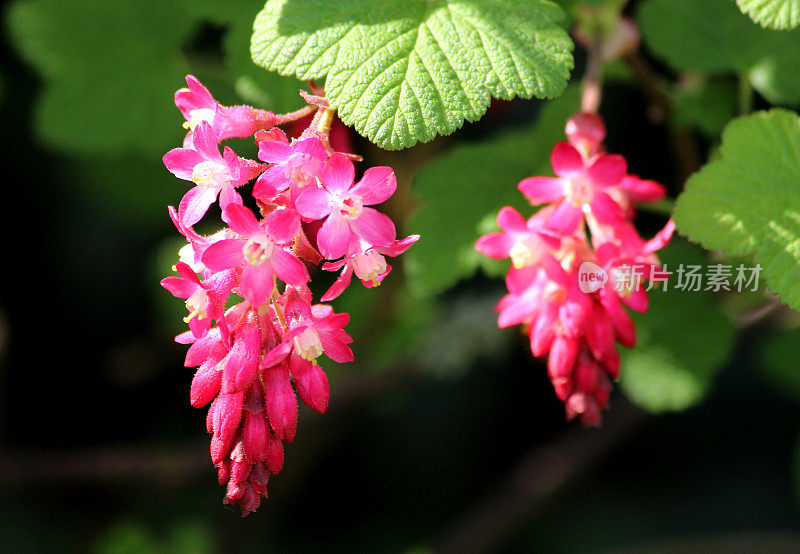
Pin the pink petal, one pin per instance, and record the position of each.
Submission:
(641, 190)
(608, 170)
(335, 349)
(313, 203)
(511, 221)
(271, 182)
(376, 186)
(566, 160)
(606, 210)
(661, 239)
(334, 237)
(277, 354)
(241, 220)
(399, 246)
(205, 141)
(256, 284)
(228, 195)
(181, 162)
(271, 151)
(338, 286)
(374, 227)
(495, 245)
(565, 219)
(541, 190)
(255, 436)
(283, 225)
(179, 287)
(338, 174)
(195, 204)
(224, 254)
(288, 268)
(313, 147)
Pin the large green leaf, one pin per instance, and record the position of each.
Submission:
(460, 192)
(403, 71)
(748, 199)
(775, 14)
(676, 357)
(714, 36)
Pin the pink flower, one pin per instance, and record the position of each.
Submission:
(205, 301)
(367, 262)
(579, 188)
(295, 165)
(344, 204)
(214, 174)
(260, 257)
(524, 242)
(312, 331)
(575, 326)
(198, 106)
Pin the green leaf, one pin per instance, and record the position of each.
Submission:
(774, 14)
(403, 71)
(676, 357)
(748, 199)
(714, 36)
(459, 192)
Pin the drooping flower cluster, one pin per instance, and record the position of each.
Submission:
(254, 330)
(576, 263)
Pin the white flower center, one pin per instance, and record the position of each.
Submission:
(368, 266)
(196, 117)
(210, 174)
(308, 344)
(257, 250)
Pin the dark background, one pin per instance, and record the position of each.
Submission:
(100, 450)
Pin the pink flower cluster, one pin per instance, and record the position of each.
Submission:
(254, 331)
(566, 284)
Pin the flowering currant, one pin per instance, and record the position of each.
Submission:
(584, 230)
(255, 334)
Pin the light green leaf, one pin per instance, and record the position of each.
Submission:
(676, 357)
(748, 199)
(459, 192)
(714, 36)
(775, 14)
(403, 71)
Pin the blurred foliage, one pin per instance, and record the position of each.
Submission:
(128, 537)
(716, 37)
(676, 357)
(705, 104)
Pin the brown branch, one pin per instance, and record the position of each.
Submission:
(537, 476)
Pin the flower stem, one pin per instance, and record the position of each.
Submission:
(294, 116)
